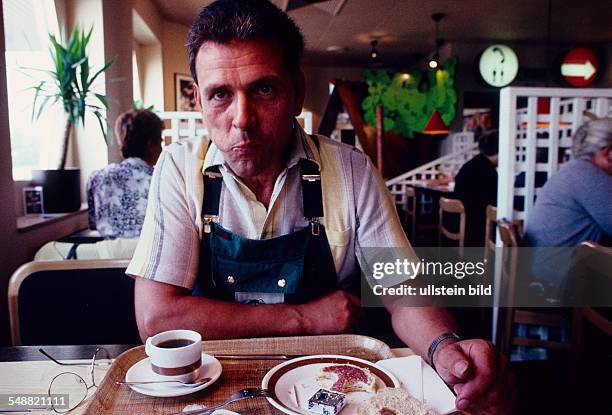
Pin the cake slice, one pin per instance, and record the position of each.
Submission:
(347, 378)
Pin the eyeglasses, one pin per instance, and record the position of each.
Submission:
(72, 385)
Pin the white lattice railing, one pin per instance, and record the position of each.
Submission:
(447, 166)
(533, 143)
(187, 124)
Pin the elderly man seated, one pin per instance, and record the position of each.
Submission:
(257, 231)
(573, 206)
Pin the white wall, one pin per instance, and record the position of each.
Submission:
(174, 58)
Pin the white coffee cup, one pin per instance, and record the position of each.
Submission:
(175, 354)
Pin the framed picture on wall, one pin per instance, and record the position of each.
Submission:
(184, 93)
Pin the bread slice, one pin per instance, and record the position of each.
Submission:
(393, 401)
(347, 378)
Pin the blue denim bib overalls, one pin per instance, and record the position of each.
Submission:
(298, 265)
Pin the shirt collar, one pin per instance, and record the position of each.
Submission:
(302, 146)
(136, 161)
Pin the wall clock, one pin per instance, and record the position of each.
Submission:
(498, 65)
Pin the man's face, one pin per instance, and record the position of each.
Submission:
(248, 101)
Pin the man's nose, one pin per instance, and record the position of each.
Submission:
(244, 113)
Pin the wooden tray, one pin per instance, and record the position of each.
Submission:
(111, 398)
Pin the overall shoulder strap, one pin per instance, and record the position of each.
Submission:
(312, 198)
(213, 181)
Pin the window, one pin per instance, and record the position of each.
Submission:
(34, 144)
(136, 78)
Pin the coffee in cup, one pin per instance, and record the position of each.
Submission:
(175, 354)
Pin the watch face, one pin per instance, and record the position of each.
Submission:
(498, 65)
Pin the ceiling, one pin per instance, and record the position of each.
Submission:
(405, 29)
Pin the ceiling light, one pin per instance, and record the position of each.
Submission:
(434, 62)
(374, 55)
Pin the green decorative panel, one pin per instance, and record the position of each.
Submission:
(409, 101)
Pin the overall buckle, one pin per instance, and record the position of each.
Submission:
(314, 222)
(207, 221)
(311, 177)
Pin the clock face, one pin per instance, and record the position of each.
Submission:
(498, 65)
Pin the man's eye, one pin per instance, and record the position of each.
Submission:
(219, 95)
(265, 89)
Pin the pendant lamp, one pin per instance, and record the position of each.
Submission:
(435, 125)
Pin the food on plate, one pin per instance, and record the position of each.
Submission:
(393, 401)
(347, 378)
(326, 402)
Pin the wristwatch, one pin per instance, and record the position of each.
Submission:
(436, 342)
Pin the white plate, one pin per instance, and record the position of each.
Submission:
(280, 381)
(142, 372)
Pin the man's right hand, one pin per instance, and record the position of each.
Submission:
(333, 313)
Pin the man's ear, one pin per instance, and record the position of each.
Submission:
(300, 91)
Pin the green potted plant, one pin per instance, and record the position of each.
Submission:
(70, 85)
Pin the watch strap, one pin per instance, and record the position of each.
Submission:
(436, 342)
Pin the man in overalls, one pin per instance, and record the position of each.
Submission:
(257, 231)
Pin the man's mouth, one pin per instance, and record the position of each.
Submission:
(245, 149)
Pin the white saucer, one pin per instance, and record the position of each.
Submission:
(141, 372)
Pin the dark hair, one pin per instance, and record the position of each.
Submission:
(226, 20)
(488, 143)
(135, 129)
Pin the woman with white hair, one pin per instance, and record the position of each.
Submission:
(575, 204)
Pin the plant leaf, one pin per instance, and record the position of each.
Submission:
(43, 104)
(101, 123)
(103, 100)
(104, 68)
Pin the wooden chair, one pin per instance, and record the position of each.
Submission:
(512, 315)
(72, 302)
(490, 224)
(507, 233)
(452, 206)
(596, 260)
(411, 211)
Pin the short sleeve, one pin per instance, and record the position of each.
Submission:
(379, 234)
(168, 247)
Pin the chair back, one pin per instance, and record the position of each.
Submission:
(507, 233)
(411, 210)
(490, 224)
(72, 302)
(452, 206)
(510, 315)
(595, 263)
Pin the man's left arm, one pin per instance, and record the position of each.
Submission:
(473, 368)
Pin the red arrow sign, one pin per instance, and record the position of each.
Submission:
(580, 67)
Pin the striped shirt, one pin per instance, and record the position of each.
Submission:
(359, 211)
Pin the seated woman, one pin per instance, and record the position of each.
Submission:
(117, 195)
